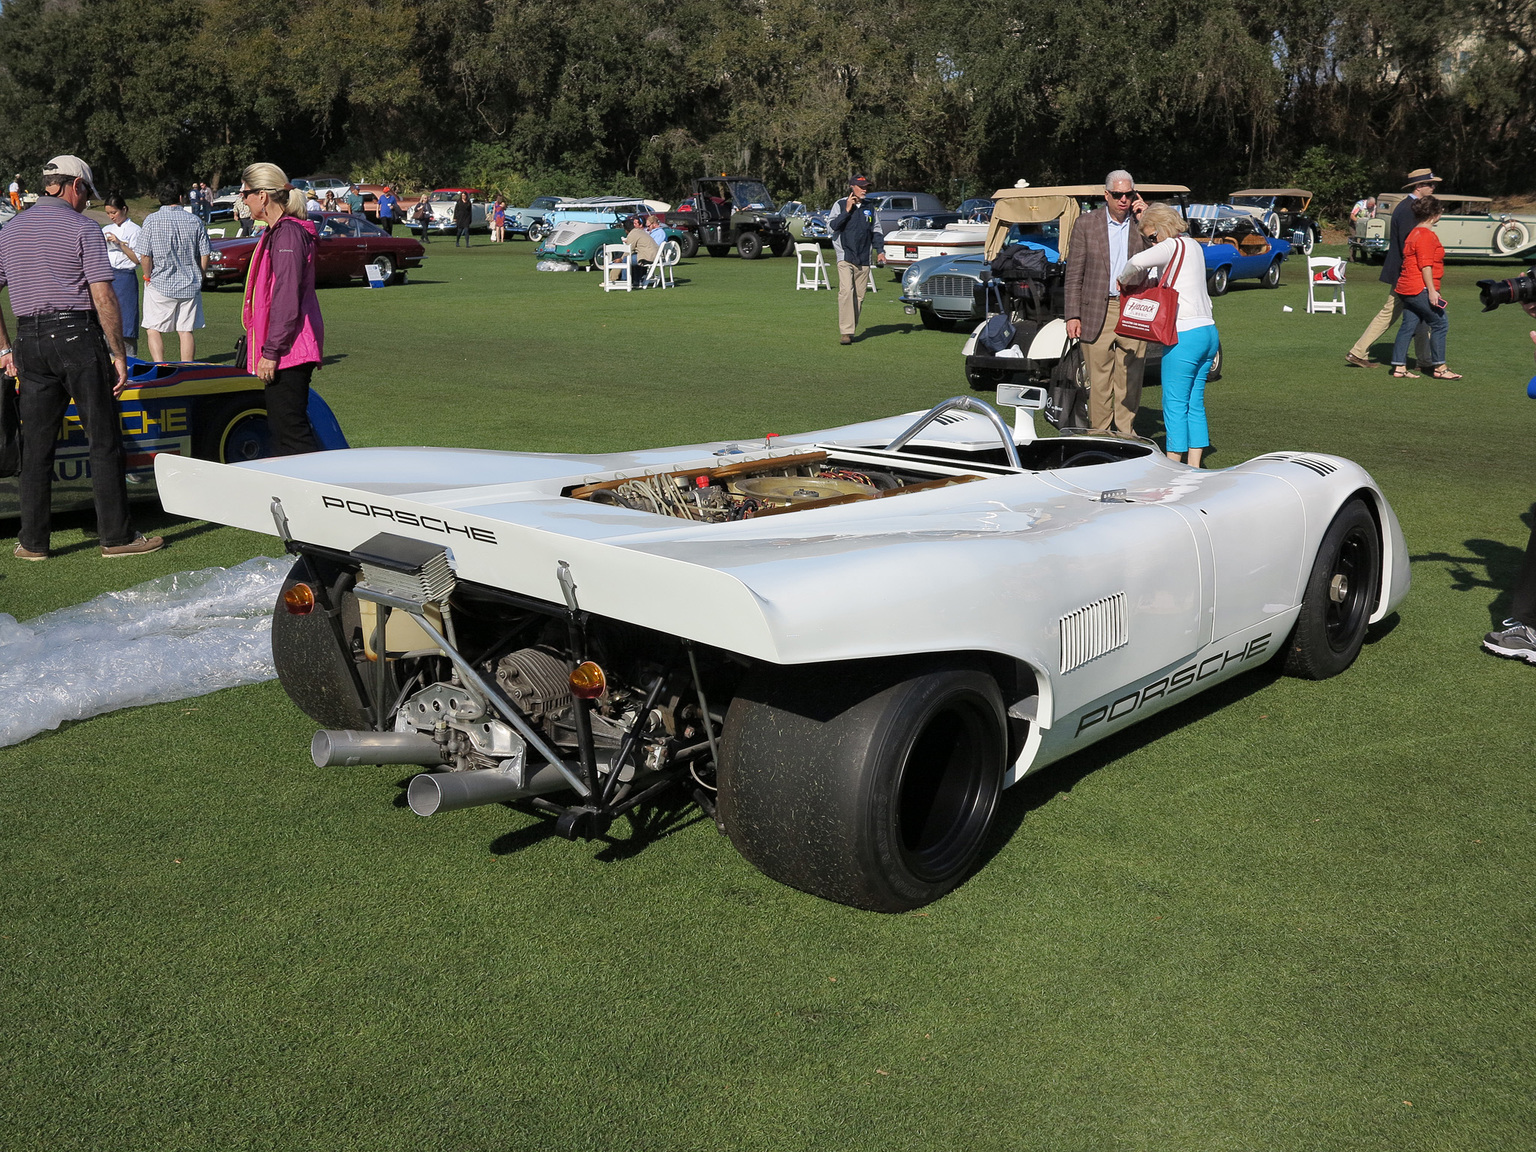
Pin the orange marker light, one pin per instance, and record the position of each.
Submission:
(588, 681)
(299, 600)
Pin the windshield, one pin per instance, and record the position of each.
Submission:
(444, 197)
(1254, 201)
(751, 194)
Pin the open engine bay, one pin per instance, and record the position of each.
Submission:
(822, 478)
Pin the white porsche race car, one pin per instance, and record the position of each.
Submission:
(857, 636)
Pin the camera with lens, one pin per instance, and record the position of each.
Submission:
(1520, 290)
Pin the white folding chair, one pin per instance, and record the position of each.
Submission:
(659, 274)
(1325, 279)
(219, 232)
(810, 268)
(616, 269)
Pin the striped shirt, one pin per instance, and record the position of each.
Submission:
(176, 241)
(50, 255)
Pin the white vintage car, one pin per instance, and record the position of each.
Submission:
(904, 248)
(1468, 227)
(842, 645)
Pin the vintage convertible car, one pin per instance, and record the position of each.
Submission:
(345, 245)
(579, 237)
(1468, 227)
(440, 202)
(533, 221)
(842, 644)
(207, 411)
(1284, 212)
(1238, 246)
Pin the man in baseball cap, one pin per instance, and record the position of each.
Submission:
(71, 166)
(69, 344)
(853, 232)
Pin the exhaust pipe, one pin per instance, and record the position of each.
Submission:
(332, 747)
(446, 791)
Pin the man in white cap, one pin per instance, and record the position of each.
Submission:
(1421, 182)
(54, 260)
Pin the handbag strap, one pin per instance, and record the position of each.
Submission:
(1175, 268)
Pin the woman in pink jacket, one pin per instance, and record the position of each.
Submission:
(284, 332)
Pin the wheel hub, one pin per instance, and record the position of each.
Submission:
(1338, 588)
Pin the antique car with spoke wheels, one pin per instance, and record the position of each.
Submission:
(1468, 227)
(1284, 211)
(841, 645)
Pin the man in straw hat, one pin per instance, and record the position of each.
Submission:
(1421, 182)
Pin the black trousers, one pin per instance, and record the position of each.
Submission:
(1524, 607)
(61, 357)
(388, 224)
(464, 232)
(288, 411)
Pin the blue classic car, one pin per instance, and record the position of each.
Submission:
(211, 411)
(1237, 246)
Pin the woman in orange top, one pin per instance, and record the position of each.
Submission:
(1419, 289)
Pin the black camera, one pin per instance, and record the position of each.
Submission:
(1520, 290)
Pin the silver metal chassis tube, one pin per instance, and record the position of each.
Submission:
(332, 747)
(968, 404)
(490, 692)
(709, 725)
(433, 792)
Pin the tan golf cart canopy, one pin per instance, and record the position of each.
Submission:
(1302, 192)
(1038, 205)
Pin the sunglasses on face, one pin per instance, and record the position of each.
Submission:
(1119, 195)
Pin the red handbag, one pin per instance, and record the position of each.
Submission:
(1152, 313)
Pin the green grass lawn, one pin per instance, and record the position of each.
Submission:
(1284, 915)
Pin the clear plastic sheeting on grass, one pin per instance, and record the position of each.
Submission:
(181, 635)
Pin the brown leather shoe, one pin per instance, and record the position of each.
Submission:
(135, 547)
(1359, 361)
(845, 339)
(27, 554)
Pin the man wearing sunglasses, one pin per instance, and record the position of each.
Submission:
(1102, 241)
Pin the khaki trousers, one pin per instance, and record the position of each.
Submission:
(1115, 364)
(1391, 312)
(852, 283)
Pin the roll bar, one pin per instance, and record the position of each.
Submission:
(962, 404)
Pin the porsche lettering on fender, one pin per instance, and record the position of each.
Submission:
(1174, 682)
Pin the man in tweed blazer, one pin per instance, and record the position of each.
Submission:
(1102, 241)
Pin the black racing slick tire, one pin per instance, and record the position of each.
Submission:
(749, 245)
(1340, 596)
(870, 784)
(315, 670)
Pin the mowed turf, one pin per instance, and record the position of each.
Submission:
(1284, 915)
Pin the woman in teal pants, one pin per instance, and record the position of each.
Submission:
(1187, 363)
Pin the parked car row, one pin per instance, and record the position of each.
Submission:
(1468, 227)
(346, 246)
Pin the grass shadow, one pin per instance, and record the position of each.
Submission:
(1499, 564)
(885, 330)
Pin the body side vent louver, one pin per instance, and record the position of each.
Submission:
(1093, 630)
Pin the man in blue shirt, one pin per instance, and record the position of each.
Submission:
(388, 208)
(173, 251)
(853, 233)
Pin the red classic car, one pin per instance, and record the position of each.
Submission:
(347, 244)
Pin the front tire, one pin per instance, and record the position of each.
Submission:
(1271, 277)
(1339, 598)
(933, 320)
(537, 231)
(780, 245)
(687, 245)
(749, 245)
(719, 249)
(1218, 282)
(870, 784)
(386, 266)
